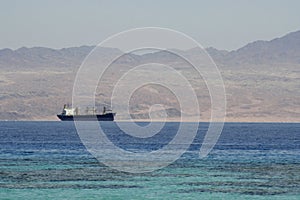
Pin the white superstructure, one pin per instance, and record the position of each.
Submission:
(68, 111)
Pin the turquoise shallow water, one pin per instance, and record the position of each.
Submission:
(46, 160)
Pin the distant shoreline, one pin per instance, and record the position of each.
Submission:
(145, 120)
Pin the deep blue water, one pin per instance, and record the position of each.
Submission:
(47, 160)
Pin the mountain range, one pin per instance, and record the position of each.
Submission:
(262, 81)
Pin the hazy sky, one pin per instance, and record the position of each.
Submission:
(224, 24)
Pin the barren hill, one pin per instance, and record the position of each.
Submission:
(262, 81)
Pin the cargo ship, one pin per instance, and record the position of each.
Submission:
(72, 114)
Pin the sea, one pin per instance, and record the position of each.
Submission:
(47, 160)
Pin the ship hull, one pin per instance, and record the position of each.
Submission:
(102, 117)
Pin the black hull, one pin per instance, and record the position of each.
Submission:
(103, 117)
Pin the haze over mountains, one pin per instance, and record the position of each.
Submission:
(280, 50)
(262, 81)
